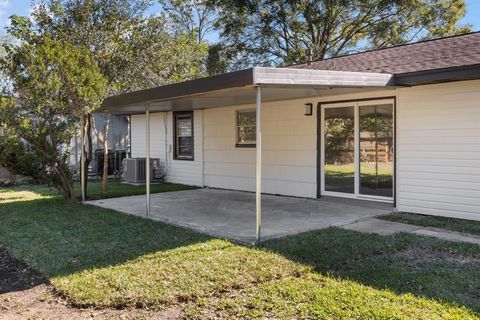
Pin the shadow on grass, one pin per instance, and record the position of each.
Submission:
(458, 225)
(15, 275)
(402, 263)
(58, 239)
(61, 240)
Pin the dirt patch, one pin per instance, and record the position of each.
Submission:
(15, 275)
(40, 303)
(27, 294)
(418, 256)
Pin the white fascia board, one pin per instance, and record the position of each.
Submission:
(289, 76)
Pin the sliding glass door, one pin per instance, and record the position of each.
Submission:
(376, 150)
(357, 149)
(339, 168)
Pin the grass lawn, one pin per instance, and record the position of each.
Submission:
(118, 189)
(102, 258)
(458, 225)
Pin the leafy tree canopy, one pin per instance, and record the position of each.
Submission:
(192, 16)
(51, 84)
(133, 50)
(273, 32)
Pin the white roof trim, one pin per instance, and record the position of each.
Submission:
(289, 76)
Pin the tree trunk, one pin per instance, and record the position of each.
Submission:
(105, 166)
(106, 127)
(104, 141)
(66, 185)
(89, 153)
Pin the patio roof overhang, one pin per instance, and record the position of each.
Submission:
(236, 88)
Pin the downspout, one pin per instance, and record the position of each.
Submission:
(128, 144)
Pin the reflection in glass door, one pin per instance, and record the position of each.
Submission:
(358, 149)
(339, 133)
(376, 150)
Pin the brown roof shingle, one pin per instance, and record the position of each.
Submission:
(441, 53)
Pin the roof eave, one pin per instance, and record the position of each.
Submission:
(234, 79)
(460, 73)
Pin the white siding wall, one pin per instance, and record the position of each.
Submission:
(438, 149)
(157, 136)
(161, 140)
(289, 150)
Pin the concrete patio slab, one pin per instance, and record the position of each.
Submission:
(231, 214)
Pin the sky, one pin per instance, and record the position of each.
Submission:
(22, 8)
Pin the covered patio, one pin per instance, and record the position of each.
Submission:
(238, 215)
(231, 214)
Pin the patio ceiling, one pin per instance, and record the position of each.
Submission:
(236, 88)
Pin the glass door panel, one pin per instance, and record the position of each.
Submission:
(339, 148)
(376, 150)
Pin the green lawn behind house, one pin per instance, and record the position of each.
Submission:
(117, 188)
(102, 258)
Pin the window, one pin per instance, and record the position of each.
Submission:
(246, 128)
(183, 135)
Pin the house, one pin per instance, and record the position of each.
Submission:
(398, 125)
